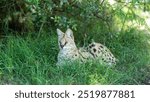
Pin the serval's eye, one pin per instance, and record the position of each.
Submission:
(62, 45)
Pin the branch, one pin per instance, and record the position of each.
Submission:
(102, 2)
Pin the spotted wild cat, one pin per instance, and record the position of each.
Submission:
(69, 51)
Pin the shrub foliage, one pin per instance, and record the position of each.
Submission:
(36, 15)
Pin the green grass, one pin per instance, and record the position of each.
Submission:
(31, 60)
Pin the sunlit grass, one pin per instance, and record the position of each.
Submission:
(33, 61)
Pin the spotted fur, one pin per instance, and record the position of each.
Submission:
(69, 51)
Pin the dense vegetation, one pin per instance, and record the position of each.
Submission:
(29, 48)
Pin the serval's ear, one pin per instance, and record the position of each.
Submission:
(69, 33)
(59, 32)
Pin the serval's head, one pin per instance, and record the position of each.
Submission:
(66, 40)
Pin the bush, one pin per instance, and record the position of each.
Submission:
(91, 16)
